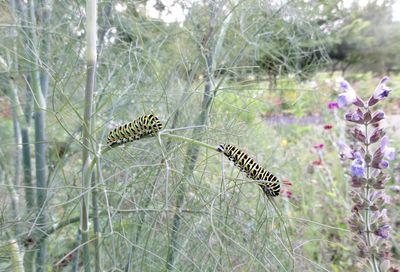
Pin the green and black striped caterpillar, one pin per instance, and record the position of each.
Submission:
(146, 125)
(270, 184)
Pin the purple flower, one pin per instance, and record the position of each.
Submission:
(345, 151)
(356, 116)
(383, 164)
(384, 142)
(349, 96)
(344, 84)
(383, 231)
(388, 152)
(333, 105)
(358, 166)
(346, 99)
(319, 146)
(380, 92)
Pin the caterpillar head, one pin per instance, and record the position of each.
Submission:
(221, 148)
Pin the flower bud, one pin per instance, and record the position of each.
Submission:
(367, 116)
(380, 164)
(357, 182)
(378, 155)
(359, 102)
(377, 116)
(359, 135)
(380, 181)
(356, 223)
(357, 116)
(376, 135)
(384, 250)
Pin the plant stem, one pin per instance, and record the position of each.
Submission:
(91, 36)
(27, 166)
(367, 211)
(16, 258)
(96, 223)
(188, 140)
(40, 146)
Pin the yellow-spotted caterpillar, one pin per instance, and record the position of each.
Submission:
(269, 183)
(147, 125)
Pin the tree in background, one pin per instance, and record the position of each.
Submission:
(364, 38)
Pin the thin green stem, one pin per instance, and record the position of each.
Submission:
(188, 140)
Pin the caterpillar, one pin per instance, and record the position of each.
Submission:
(270, 184)
(146, 125)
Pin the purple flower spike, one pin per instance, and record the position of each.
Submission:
(383, 231)
(367, 178)
(358, 166)
(380, 92)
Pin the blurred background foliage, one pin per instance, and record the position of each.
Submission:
(260, 72)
